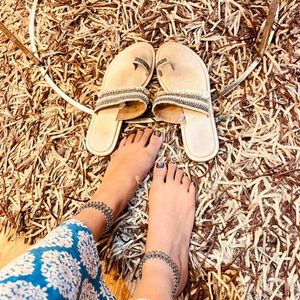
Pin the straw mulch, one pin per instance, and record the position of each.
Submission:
(245, 243)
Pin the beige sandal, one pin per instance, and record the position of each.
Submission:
(123, 96)
(186, 99)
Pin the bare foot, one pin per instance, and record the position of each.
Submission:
(171, 218)
(130, 164)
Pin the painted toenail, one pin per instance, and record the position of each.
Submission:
(160, 165)
(157, 133)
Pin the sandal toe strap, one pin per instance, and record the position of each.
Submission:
(134, 100)
(167, 102)
(139, 61)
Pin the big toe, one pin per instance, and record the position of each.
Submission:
(159, 172)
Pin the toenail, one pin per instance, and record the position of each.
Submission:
(160, 165)
(157, 133)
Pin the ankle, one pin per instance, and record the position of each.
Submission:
(119, 192)
(111, 199)
(156, 274)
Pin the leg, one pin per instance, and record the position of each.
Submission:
(65, 264)
(171, 218)
(128, 167)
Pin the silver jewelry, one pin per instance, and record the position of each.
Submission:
(121, 95)
(106, 211)
(169, 261)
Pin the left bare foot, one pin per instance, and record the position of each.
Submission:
(171, 219)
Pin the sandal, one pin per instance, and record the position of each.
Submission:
(123, 96)
(186, 99)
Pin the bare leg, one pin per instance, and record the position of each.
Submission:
(129, 165)
(171, 218)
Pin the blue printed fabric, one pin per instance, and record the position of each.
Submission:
(64, 265)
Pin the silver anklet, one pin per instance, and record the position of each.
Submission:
(106, 211)
(169, 261)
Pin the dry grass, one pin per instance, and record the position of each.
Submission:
(245, 243)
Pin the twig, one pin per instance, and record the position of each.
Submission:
(19, 44)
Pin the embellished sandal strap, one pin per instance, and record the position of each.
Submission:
(122, 95)
(193, 100)
(162, 62)
(140, 61)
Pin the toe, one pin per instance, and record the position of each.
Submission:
(138, 136)
(159, 172)
(192, 189)
(171, 171)
(156, 140)
(130, 138)
(186, 182)
(146, 136)
(123, 142)
(178, 175)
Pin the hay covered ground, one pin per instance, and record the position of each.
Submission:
(246, 239)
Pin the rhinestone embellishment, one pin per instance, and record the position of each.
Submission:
(118, 96)
(196, 100)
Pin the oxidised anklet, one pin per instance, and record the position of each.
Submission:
(106, 211)
(169, 261)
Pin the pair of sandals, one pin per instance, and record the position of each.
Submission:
(185, 99)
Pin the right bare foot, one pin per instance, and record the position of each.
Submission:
(171, 218)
